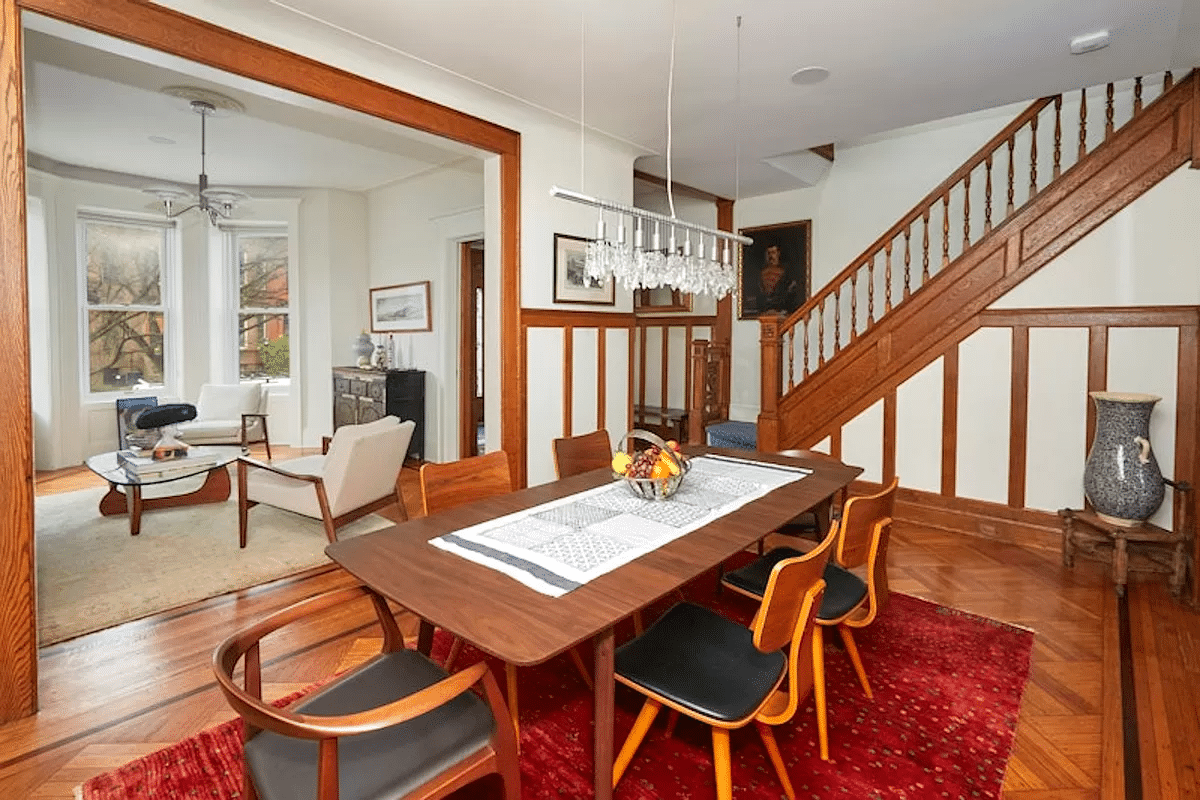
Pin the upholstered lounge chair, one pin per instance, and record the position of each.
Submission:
(359, 474)
(234, 413)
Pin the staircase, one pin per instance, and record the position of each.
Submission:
(1000, 217)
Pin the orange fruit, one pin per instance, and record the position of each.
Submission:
(659, 470)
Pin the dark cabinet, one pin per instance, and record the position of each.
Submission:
(361, 395)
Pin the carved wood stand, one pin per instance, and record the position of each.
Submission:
(1143, 547)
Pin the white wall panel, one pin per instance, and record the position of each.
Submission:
(583, 392)
(616, 387)
(1144, 360)
(919, 430)
(862, 443)
(545, 392)
(984, 407)
(677, 356)
(1055, 445)
(653, 377)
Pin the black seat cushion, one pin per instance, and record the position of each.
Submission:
(384, 764)
(843, 589)
(704, 662)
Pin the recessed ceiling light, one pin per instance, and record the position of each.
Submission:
(161, 140)
(807, 76)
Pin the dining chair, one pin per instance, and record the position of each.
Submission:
(455, 483)
(699, 663)
(850, 601)
(574, 455)
(397, 725)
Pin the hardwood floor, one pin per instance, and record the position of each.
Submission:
(113, 695)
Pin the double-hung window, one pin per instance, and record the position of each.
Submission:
(127, 265)
(263, 307)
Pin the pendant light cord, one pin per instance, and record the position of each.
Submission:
(737, 116)
(670, 102)
(582, 62)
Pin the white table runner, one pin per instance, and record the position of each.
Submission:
(561, 545)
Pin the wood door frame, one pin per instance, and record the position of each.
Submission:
(196, 40)
(466, 351)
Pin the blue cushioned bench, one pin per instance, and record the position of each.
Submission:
(736, 435)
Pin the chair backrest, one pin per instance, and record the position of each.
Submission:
(861, 517)
(229, 400)
(788, 615)
(577, 454)
(364, 461)
(456, 483)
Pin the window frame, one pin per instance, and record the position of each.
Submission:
(169, 299)
(230, 270)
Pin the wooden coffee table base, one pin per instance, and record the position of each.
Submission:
(215, 490)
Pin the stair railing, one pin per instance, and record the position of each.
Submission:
(953, 218)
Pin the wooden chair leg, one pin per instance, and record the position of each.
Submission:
(672, 718)
(456, 647)
(852, 651)
(243, 504)
(510, 672)
(768, 738)
(583, 670)
(819, 691)
(720, 737)
(638, 626)
(641, 725)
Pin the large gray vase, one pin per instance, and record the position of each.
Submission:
(1122, 478)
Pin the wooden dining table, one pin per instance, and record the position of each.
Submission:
(523, 627)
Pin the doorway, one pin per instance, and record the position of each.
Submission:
(471, 438)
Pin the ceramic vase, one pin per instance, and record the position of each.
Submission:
(1122, 479)
(363, 348)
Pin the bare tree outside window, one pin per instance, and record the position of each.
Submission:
(125, 313)
(263, 348)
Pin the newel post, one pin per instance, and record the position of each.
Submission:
(698, 412)
(768, 417)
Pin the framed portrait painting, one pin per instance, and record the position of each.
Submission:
(403, 308)
(775, 273)
(571, 281)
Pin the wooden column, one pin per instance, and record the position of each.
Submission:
(722, 332)
(696, 420)
(18, 632)
(768, 417)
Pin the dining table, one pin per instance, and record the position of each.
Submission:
(514, 623)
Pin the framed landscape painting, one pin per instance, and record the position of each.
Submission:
(403, 308)
(571, 282)
(775, 273)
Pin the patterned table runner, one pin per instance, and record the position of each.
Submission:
(561, 545)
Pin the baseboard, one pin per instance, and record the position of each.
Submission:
(1026, 527)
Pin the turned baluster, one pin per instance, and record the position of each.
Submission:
(1168, 81)
(1011, 177)
(1057, 136)
(804, 322)
(907, 259)
(987, 196)
(966, 212)
(946, 228)
(821, 333)
(1033, 123)
(853, 305)
(925, 247)
(1137, 94)
(837, 320)
(1082, 123)
(887, 277)
(871, 292)
(791, 358)
(1108, 112)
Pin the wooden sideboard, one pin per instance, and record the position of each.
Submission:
(363, 395)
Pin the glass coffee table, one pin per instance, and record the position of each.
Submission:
(125, 489)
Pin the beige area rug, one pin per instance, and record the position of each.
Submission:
(92, 574)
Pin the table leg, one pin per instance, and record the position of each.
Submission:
(605, 711)
(425, 637)
(135, 510)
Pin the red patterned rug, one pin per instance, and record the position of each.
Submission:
(947, 689)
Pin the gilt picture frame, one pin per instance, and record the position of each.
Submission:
(775, 273)
(402, 308)
(571, 283)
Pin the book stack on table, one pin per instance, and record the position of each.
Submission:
(144, 467)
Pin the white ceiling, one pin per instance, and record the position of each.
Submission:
(892, 64)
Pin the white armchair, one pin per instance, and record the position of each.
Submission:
(359, 474)
(229, 414)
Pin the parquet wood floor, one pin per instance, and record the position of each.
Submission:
(113, 695)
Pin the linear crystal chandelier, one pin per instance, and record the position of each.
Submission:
(217, 203)
(692, 258)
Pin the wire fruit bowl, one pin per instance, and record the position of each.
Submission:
(654, 488)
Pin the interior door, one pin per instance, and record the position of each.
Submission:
(471, 431)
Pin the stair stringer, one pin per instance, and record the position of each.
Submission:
(945, 310)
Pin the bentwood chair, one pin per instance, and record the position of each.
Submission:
(395, 726)
(696, 662)
(850, 601)
(444, 486)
